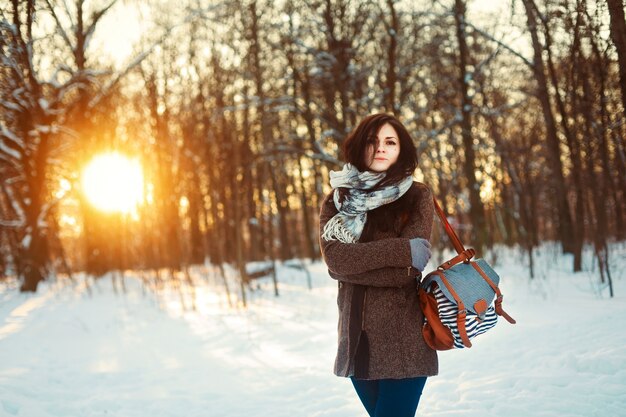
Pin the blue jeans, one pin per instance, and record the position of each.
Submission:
(390, 397)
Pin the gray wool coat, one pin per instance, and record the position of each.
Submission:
(380, 320)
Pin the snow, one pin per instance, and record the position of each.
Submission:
(14, 203)
(9, 105)
(26, 241)
(12, 152)
(13, 138)
(78, 350)
(43, 103)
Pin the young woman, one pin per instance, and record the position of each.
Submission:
(374, 231)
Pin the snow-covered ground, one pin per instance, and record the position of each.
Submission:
(70, 351)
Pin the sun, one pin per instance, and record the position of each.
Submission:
(113, 182)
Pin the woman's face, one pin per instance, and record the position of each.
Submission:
(384, 153)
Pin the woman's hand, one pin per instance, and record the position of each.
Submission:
(420, 252)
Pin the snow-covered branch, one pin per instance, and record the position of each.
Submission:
(17, 144)
(502, 44)
(12, 223)
(17, 208)
(59, 26)
(271, 153)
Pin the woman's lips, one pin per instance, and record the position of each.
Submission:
(380, 159)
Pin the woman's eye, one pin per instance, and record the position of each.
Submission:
(391, 142)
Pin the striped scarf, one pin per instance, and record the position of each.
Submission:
(357, 199)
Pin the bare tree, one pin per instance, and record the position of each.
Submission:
(564, 217)
(618, 34)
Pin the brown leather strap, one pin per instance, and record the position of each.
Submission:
(436, 334)
(460, 321)
(461, 311)
(458, 246)
(464, 256)
(493, 286)
(499, 310)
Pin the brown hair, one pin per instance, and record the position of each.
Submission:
(393, 216)
(355, 147)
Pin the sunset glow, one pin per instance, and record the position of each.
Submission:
(112, 182)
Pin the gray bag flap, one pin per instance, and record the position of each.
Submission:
(467, 282)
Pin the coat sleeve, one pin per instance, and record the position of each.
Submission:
(356, 258)
(420, 225)
(383, 277)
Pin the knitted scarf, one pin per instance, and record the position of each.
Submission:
(347, 225)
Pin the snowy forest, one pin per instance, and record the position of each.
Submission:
(235, 112)
(163, 164)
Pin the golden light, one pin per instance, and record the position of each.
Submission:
(119, 31)
(112, 182)
(64, 187)
(487, 190)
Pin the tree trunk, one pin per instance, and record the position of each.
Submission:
(33, 245)
(305, 197)
(477, 212)
(393, 29)
(278, 181)
(237, 202)
(618, 35)
(572, 143)
(308, 119)
(565, 226)
(610, 180)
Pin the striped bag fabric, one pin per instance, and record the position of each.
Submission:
(474, 324)
(461, 299)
